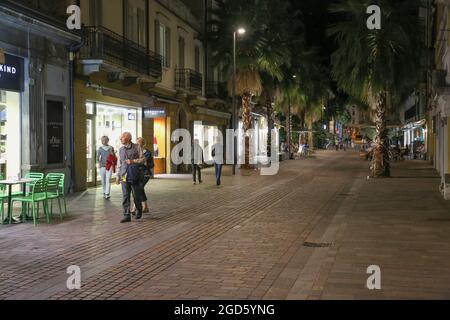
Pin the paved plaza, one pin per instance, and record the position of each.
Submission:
(308, 233)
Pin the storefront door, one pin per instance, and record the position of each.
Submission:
(91, 152)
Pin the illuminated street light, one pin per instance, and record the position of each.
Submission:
(241, 31)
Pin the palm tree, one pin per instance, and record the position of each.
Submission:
(304, 89)
(260, 52)
(375, 65)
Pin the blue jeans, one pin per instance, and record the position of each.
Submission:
(218, 168)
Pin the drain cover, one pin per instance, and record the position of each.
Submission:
(316, 245)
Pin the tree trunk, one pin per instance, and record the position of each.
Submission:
(270, 124)
(289, 131)
(246, 119)
(380, 163)
(310, 134)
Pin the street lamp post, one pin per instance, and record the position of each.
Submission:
(240, 31)
(289, 128)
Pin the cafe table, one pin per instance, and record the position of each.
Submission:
(10, 183)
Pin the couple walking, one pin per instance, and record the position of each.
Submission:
(197, 160)
(135, 165)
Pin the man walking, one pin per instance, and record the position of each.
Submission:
(217, 153)
(131, 157)
(197, 161)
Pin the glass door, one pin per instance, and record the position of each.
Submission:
(91, 152)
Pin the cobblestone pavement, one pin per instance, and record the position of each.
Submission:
(308, 233)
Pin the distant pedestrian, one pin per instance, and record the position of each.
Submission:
(106, 164)
(197, 161)
(217, 153)
(131, 157)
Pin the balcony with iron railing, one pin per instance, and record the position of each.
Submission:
(105, 47)
(189, 80)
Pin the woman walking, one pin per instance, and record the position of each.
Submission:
(105, 154)
(147, 172)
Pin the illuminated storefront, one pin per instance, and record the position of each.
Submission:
(11, 86)
(106, 120)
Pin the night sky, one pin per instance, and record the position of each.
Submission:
(316, 18)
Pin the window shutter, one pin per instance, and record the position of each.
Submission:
(157, 38)
(168, 41)
(197, 59)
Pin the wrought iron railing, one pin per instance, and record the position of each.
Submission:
(102, 43)
(189, 80)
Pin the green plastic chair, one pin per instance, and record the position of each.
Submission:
(38, 195)
(62, 187)
(33, 176)
(53, 192)
(2, 211)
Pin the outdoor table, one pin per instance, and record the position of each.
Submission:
(10, 184)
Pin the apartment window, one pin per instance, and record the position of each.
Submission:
(162, 38)
(136, 25)
(131, 25)
(197, 59)
(141, 33)
(181, 52)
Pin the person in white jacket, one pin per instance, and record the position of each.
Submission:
(102, 156)
(197, 161)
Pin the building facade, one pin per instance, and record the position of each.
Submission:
(35, 88)
(142, 69)
(136, 65)
(439, 91)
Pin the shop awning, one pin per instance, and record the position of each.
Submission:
(415, 125)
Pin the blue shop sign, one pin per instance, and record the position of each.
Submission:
(11, 74)
(153, 112)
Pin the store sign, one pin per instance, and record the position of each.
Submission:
(55, 132)
(11, 73)
(152, 113)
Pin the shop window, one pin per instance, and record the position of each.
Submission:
(206, 135)
(10, 134)
(110, 121)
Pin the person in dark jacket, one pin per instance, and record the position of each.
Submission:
(131, 157)
(147, 168)
(197, 161)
